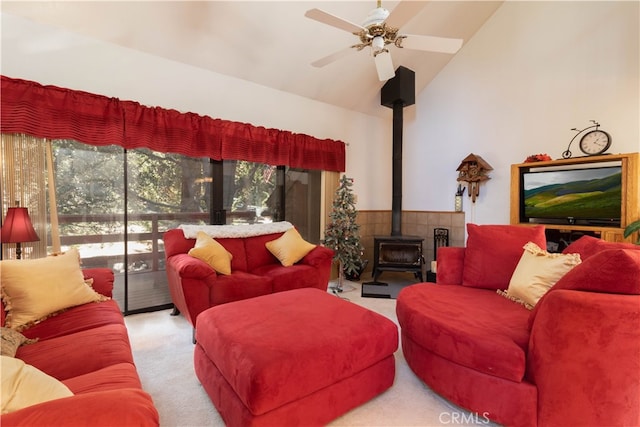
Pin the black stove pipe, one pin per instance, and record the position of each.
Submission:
(397, 93)
(396, 184)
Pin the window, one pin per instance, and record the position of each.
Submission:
(122, 229)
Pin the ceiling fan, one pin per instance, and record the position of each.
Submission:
(379, 30)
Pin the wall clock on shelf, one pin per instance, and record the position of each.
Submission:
(594, 141)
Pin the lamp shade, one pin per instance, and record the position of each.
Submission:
(17, 227)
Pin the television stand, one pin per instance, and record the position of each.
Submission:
(559, 239)
(611, 232)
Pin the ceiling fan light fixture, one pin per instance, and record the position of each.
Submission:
(377, 44)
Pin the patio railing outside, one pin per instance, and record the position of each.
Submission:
(142, 284)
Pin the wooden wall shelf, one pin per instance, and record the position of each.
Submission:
(630, 194)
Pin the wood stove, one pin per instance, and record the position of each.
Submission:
(397, 253)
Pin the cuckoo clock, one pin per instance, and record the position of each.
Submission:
(473, 170)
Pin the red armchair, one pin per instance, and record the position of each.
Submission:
(572, 360)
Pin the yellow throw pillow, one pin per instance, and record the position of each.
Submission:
(290, 247)
(23, 385)
(212, 252)
(35, 289)
(536, 272)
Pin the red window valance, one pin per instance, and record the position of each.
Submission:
(58, 113)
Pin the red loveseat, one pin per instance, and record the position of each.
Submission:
(87, 348)
(195, 286)
(572, 360)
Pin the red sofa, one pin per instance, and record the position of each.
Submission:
(87, 348)
(195, 286)
(573, 360)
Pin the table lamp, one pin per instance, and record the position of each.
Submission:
(17, 228)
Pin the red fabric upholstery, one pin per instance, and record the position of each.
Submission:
(450, 261)
(257, 254)
(83, 352)
(238, 286)
(294, 277)
(102, 280)
(472, 327)
(587, 246)
(190, 281)
(106, 408)
(316, 409)
(195, 286)
(585, 359)
(174, 245)
(236, 247)
(581, 343)
(274, 359)
(615, 271)
(506, 402)
(86, 347)
(112, 377)
(80, 318)
(493, 252)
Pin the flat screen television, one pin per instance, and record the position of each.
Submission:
(576, 196)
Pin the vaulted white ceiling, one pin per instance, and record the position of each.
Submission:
(270, 43)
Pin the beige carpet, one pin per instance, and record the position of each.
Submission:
(163, 353)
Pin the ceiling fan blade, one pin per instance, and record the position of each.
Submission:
(384, 66)
(331, 58)
(334, 21)
(432, 44)
(403, 12)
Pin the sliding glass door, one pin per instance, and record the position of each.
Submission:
(162, 191)
(89, 184)
(114, 206)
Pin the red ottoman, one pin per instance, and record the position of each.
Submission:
(300, 357)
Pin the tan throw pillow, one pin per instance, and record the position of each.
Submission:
(35, 289)
(23, 385)
(11, 340)
(536, 272)
(213, 253)
(290, 247)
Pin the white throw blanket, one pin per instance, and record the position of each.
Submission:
(235, 231)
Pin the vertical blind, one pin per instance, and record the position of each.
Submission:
(22, 180)
(59, 113)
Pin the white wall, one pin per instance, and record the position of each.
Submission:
(533, 71)
(48, 55)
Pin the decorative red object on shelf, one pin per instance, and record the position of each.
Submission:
(542, 157)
